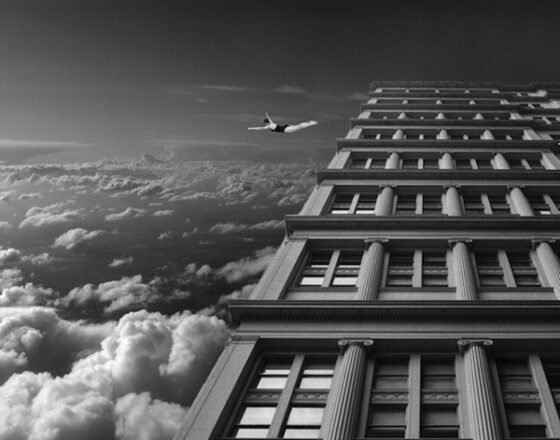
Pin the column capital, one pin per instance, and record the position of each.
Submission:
(535, 242)
(452, 242)
(369, 241)
(344, 344)
(511, 187)
(392, 186)
(446, 187)
(465, 344)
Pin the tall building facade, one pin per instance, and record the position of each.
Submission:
(416, 294)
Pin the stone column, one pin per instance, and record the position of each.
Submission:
(483, 412)
(522, 205)
(550, 264)
(487, 135)
(398, 134)
(392, 162)
(446, 162)
(442, 135)
(501, 162)
(440, 116)
(402, 115)
(343, 407)
(454, 207)
(463, 271)
(384, 202)
(478, 116)
(370, 271)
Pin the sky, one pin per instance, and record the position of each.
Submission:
(134, 201)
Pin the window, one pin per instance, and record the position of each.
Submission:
(342, 204)
(539, 204)
(473, 204)
(331, 269)
(431, 204)
(408, 268)
(523, 418)
(261, 415)
(463, 164)
(358, 163)
(388, 416)
(509, 269)
(497, 204)
(552, 371)
(431, 163)
(409, 163)
(353, 204)
(406, 204)
(366, 204)
(483, 164)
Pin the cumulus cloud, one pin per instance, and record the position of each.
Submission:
(165, 235)
(131, 386)
(226, 228)
(119, 294)
(49, 215)
(245, 268)
(118, 262)
(75, 236)
(5, 225)
(38, 259)
(163, 212)
(138, 417)
(25, 295)
(126, 214)
(9, 256)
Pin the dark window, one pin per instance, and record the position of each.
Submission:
(499, 204)
(524, 271)
(431, 204)
(490, 272)
(473, 204)
(406, 204)
(342, 204)
(358, 163)
(434, 268)
(366, 204)
(401, 269)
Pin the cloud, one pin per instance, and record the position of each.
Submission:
(135, 380)
(126, 214)
(163, 212)
(245, 268)
(358, 96)
(38, 259)
(138, 417)
(165, 235)
(226, 228)
(38, 143)
(25, 295)
(5, 225)
(29, 196)
(9, 256)
(49, 215)
(119, 294)
(118, 262)
(75, 236)
(290, 90)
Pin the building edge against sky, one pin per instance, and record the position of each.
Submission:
(416, 294)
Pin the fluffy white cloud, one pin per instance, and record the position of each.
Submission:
(25, 295)
(119, 294)
(226, 228)
(132, 385)
(126, 214)
(9, 256)
(49, 215)
(5, 225)
(138, 417)
(245, 268)
(75, 236)
(118, 262)
(164, 212)
(38, 259)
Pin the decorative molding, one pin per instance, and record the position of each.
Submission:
(344, 344)
(389, 396)
(454, 241)
(442, 396)
(310, 396)
(465, 344)
(261, 396)
(536, 241)
(521, 396)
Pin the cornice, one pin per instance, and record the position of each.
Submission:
(502, 85)
(422, 223)
(447, 143)
(443, 123)
(443, 177)
(438, 311)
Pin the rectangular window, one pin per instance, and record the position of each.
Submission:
(377, 163)
(483, 164)
(473, 204)
(552, 371)
(463, 164)
(406, 204)
(261, 415)
(498, 204)
(540, 205)
(401, 269)
(341, 204)
(535, 164)
(358, 163)
(490, 272)
(331, 269)
(366, 204)
(524, 419)
(434, 268)
(431, 204)
(431, 163)
(409, 163)
(524, 271)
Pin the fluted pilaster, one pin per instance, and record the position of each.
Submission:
(343, 407)
(446, 162)
(371, 271)
(487, 135)
(521, 203)
(384, 202)
(454, 207)
(550, 264)
(393, 162)
(478, 116)
(462, 269)
(483, 412)
(402, 115)
(442, 135)
(501, 162)
(398, 134)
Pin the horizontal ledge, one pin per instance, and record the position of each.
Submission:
(422, 222)
(438, 143)
(453, 176)
(486, 123)
(339, 310)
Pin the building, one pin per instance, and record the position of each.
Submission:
(416, 294)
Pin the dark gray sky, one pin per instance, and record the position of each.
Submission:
(125, 77)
